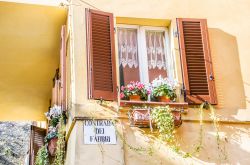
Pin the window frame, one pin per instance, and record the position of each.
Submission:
(142, 50)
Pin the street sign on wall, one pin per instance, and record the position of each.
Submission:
(99, 132)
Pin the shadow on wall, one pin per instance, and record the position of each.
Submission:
(228, 78)
(233, 146)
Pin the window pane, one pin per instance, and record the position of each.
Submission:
(128, 55)
(156, 53)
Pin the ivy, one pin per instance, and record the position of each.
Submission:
(42, 157)
(165, 122)
(60, 149)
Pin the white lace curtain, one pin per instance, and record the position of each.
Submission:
(156, 50)
(127, 45)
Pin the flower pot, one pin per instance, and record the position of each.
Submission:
(52, 146)
(134, 98)
(163, 99)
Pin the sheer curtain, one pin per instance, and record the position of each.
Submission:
(156, 50)
(128, 49)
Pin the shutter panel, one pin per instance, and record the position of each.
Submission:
(63, 67)
(196, 61)
(37, 136)
(101, 55)
(56, 90)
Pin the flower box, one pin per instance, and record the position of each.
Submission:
(140, 117)
(52, 146)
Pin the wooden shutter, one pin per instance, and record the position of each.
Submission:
(101, 55)
(37, 136)
(196, 61)
(56, 90)
(63, 68)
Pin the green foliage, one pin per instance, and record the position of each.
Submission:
(54, 121)
(199, 145)
(60, 149)
(42, 157)
(164, 90)
(165, 122)
(50, 135)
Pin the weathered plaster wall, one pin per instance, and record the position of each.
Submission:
(228, 33)
(29, 56)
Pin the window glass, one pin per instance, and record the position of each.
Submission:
(128, 55)
(156, 54)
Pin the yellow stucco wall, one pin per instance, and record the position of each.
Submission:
(228, 33)
(29, 56)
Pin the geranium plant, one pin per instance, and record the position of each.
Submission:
(135, 89)
(164, 87)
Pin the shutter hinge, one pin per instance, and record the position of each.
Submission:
(114, 29)
(211, 77)
(117, 88)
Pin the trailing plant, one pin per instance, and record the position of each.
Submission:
(139, 150)
(135, 88)
(164, 87)
(215, 120)
(199, 145)
(42, 157)
(60, 150)
(222, 151)
(164, 120)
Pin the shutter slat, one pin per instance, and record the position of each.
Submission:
(101, 57)
(193, 38)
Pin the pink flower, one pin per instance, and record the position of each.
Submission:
(122, 95)
(122, 88)
(130, 87)
(148, 92)
(140, 86)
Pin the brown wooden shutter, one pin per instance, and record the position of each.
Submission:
(63, 68)
(56, 90)
(196, 61)
(37, 136)
(101, 55)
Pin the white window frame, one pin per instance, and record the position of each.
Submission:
(142, 50)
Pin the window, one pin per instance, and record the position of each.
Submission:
(143, 53)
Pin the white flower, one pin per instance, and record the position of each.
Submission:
(55, 111)
(162, 81)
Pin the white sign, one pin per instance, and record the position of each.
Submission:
(99, 132)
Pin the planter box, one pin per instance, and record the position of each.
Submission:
(141, 117)
(52, 146)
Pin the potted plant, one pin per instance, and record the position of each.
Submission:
(164, 89)
(134, 91)
(54, 115)
(164, 120)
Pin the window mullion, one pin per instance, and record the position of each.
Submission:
(143, 58)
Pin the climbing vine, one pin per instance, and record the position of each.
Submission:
(42, 157)
(60, 148)
(199, 145)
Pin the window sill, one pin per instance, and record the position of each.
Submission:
(125, 103)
